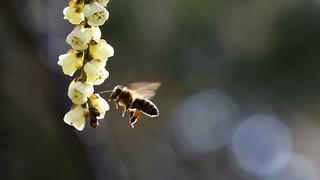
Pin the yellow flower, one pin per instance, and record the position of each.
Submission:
(74, 13)
(96, 72)
(95, 33)
(95, 13)
(79, 92)
(103, 2)
(76, 117)
(79, 38)
(101, 50)
(100, 104)
(71, 61)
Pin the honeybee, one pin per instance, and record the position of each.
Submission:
(135, 100)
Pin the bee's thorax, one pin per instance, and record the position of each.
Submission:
(125, 98)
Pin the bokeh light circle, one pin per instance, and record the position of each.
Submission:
(262, 145)
(205, 121)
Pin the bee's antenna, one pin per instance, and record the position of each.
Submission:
(102, 92)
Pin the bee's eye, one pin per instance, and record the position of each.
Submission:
(114, 95)
(118, 91)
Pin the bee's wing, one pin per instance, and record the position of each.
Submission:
(145, 89)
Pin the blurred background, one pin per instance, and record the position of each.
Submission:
(240, 94)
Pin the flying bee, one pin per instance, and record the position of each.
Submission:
(135, 99)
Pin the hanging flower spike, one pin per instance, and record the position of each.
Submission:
(89, 55)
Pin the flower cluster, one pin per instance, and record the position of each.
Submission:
(88, 57)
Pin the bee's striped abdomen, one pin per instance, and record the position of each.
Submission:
(145, 106)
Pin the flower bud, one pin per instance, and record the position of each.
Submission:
(71, 61)
(76, 117)
(79, 92)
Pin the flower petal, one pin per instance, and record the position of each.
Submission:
(100, 104)
(102, 50)
(73, 14)
(96, 72)
(79, 38)
(76, 117)
(70, 62)
(103, 2)
(79, 92)
(96, 33)
(96, 14)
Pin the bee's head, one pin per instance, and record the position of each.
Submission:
(116, 93)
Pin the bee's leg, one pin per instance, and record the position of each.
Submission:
(124, 111)
(133, 120)
(131, 116)
(135, 115)
(117, 105)
(131, 113)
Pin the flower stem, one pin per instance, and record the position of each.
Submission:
(87, 58)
